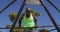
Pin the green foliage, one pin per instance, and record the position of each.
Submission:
(44, 30)
(12, 15)
(8, 26)
(35, 12)
(18, 29)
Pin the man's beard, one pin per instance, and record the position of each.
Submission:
(27, 15)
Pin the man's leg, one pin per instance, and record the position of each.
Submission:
(32, 30)
(29, 29)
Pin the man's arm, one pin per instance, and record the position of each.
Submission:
(36, 22)
(20, 19)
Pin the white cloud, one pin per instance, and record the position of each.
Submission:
(33, 2)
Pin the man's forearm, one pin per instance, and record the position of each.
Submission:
(19, 23)
(20, 19)
(36, 23)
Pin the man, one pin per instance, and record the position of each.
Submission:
(29, 19)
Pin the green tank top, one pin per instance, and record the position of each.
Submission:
(28, 22)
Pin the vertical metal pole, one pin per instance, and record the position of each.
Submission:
(19, 12)
(7, 6)
(53, 21)
(53, 5)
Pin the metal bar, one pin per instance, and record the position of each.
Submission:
(22, 27)
(53, 29)
(19, 12)
(53, 5)
(7, 6)
(28, 27)
(53, 21)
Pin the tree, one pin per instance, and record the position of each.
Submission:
(35, 12)
(44, 30)
(12, 16)
(8, 26)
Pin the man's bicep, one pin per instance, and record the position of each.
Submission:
(34, 17)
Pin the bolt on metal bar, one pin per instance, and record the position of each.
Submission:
(7, 6)
(53, 21)
(53, 5)
(19, 12)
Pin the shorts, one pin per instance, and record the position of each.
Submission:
(28, 29)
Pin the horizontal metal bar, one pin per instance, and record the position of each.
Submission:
(28, 27)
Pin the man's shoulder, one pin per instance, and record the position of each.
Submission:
(33, 14)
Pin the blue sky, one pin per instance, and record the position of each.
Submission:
(43, 20)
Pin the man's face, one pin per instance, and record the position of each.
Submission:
(28, 13)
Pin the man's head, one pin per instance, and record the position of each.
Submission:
(28, 11)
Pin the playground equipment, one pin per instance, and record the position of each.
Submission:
(20, 10)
